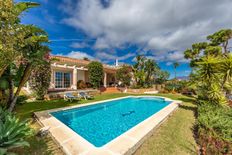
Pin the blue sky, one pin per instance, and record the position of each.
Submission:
(108, 29)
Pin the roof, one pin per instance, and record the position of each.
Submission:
(80, 63)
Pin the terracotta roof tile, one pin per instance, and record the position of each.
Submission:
(79, 62)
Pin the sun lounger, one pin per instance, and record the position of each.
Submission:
(43, 131)
(85, 95)
(70, 97)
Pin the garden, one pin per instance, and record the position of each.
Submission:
(201, 125)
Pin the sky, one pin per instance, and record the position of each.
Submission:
(106, 30)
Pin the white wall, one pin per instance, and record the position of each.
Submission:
(80, 75)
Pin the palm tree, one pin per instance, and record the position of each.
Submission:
(138, 70)
(11, 31)
(175, 65)
(151, 68)
(33, 52)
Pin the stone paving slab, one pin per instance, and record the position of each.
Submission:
(125, 144)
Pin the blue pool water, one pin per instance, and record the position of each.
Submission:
(103, 122)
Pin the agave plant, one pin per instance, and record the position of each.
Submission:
(3, 114)
(13, 132)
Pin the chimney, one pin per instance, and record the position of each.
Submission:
(116, 62)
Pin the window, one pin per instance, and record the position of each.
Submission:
(67, 80)
(59, 79)
(62, 80)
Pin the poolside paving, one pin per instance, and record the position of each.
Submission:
(127, 143)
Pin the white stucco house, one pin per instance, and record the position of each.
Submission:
(65, 73)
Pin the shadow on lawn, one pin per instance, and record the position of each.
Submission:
(191, 107)
(191, 148)
(189, 99)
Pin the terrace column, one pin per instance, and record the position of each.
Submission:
(52, 82)
(74, 85)
(105, 79)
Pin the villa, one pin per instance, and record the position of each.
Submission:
(66, 72)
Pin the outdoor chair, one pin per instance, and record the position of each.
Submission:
(85, 95)
(70, 97)
(43, 131)
(229, 97)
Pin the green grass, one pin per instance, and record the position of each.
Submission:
(26, 110)
(174, 136)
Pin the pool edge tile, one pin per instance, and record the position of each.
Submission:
(127, 143)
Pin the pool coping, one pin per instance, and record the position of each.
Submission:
(127, 143)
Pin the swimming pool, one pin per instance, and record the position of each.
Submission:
(103, 122)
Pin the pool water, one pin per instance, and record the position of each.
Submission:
(101, 123)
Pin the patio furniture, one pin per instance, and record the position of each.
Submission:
(43, 131)
(229, 97)
(70, 97)
(85, 95)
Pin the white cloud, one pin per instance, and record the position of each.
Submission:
(169, 57)
(99, 56)
(79, 45)
(161, 25)
(101, 44)
(108, 56)
(78, 55)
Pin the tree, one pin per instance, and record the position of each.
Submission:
(21, 47)
(33, 53)
(123, 74)
(144, 71)
(212, 67)
(162, 77)
(86, 59)
(175, 65)
(217, 46)
(138, 70)
(221, 38)
(40, 79)
(151, 68)
(12, 33)
(95, 73)
(212, 78)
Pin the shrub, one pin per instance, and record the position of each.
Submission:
(124, 75)
(88, 85)
(178, 86)
(21, 99)
(214, 128)
(40, 80)
(12, 132)
(161, 77)
(3, 114)
(95, 73)
(81, 84)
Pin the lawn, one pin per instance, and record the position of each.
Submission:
(174, 136)
(26, 110)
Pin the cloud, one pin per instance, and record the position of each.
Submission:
(99, 56)
(169, 57)
(101, 44)
(107, 56)
(79, 45)
(78, 55)
(162, 26)
(176, 56)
